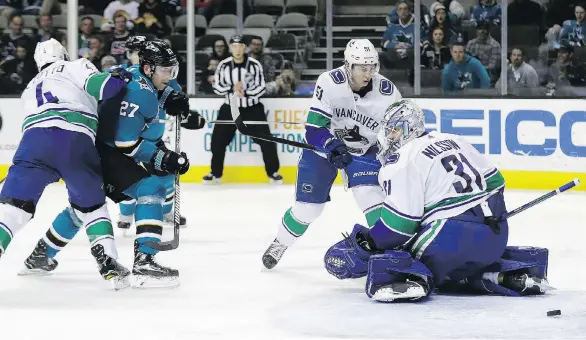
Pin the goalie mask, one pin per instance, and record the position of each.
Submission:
(360, 61)
(403, 122)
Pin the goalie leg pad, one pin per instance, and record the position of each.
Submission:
(347, 259)
(395, 266)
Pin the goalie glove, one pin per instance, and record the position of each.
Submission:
(170, 161)
(193, 121)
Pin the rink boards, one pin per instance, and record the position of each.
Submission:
(537, 144)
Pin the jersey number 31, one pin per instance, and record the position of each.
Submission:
(457, 161)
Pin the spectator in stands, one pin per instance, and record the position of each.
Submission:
(269, 65)
(286, 82)
(116, 45)
(86, 28)
(463, 72)
(14, 37)
(486, 49)
(7, 8)
(565, 72)
(128, 8)
(91, 6)
(107, 62)
(399, 36)
(486, 10)
(53, 7)
(520, 75)
(23, 7)
(453, 7)
(207, 82)
(436, 54)
(443, 21)
(524, 13)
(15, 73)
(393, 16)
(96, 52)
(220, 50)
(152, 18)
(575, 30)
(559, 11)
(46, 30)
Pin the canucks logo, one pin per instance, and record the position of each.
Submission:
(352, 136)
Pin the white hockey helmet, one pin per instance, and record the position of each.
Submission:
(49, 51)
(360, 52)
(403, 122)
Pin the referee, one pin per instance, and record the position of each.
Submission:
(244, 76)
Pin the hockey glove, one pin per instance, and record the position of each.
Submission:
(177, 103)
(122, 74)
(337, 153)
(193, 121)
(170, 161)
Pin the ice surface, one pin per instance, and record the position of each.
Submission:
(225, 293)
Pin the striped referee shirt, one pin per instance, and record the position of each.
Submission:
(249, 72)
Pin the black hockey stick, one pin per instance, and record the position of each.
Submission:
(174, 242)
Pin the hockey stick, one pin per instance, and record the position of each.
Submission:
(174, 242)
(540, 199)
(251, 122)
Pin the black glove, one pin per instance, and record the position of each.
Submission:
(170, 161)
(177, 103)
(122, 74)
(193, 121)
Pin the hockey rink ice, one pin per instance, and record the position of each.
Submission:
(226, 294)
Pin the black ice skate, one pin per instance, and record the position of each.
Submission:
(211, 179)
(110, 269)
(170, 218)
(273, 254)
(401, 291)
(38, 263)
(149, 274)
(525, 284)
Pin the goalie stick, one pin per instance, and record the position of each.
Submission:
(174, 242)
(243, 129)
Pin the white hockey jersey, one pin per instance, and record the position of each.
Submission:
(354, 119)
(65, 95)
(434, 177)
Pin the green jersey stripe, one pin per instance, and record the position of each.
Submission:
(495, 181)
(75, 118)
(95, 85)
(317, 119)
(397, 223)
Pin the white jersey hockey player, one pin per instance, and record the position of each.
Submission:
(343, 121)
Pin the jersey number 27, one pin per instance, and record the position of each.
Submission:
(457, 162)
(128, 109)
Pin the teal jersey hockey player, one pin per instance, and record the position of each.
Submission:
(133, 157)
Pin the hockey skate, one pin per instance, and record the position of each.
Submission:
(149, 274)
(124, 223)
(273, 254)
(211, 179)
(110, 269)
(401, 291)
(38, 263)
(276, 178)
(525, 284)
(170, 218)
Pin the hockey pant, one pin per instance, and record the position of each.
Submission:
(44, 156)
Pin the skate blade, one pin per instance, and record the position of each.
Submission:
(34, 272)
(145, 282)
(276, 182)
(119, 283)
(387, 294)
(543, 286)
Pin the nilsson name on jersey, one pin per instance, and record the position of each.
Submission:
(440, 147)
(358, 117)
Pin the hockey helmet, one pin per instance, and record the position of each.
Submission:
(403, 122)
(159, 56)
(361, 52)
(48, 52)
(135, 42)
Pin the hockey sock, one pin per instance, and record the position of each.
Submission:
(98, 228)
(127, 208)
(62, 231)
(149, 221)
(290, 229)
(12, 219)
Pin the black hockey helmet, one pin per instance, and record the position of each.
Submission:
(157, 53)
(135, 42)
